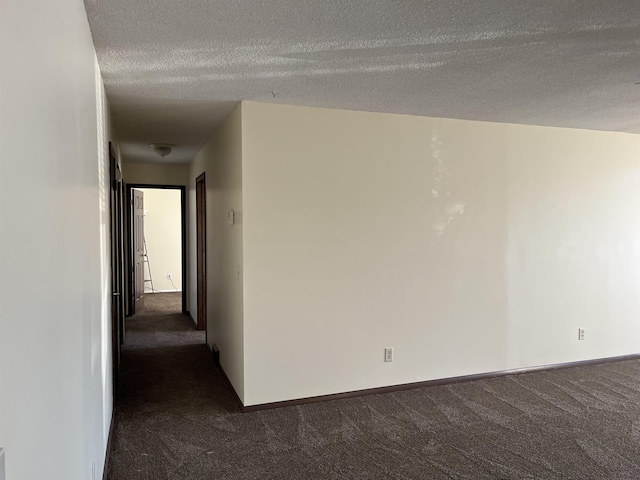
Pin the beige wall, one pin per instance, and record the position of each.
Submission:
(156, 174)
(162, 233)
(221, 160)
(469, 247)
(55, 292)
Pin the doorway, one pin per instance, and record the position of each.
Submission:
(154, 255)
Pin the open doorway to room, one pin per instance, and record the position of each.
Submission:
(157, 245)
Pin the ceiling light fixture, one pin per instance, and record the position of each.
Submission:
(162, 149)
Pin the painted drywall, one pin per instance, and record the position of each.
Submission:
(467, 246)
(221, 161)
(163, 237)
(573, 237)
(55, 293)
(151, 174)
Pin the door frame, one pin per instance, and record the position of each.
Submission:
(201, 253)
(129, 241)
(117, 262)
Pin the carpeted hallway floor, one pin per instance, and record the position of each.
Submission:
(175, 419)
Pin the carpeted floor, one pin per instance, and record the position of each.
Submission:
(175, 419)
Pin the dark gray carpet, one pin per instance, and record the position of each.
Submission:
(175, 419)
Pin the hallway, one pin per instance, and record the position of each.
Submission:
(169, 391)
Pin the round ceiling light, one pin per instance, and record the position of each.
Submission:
(162, 149)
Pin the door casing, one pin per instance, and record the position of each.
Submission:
(116, 236)
(201, 254)
(129, 242)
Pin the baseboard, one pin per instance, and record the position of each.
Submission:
(162, 291)
(428, 383)
(109, 438)
(215, 355)
(236, 397)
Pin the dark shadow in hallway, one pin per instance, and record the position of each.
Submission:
(169, 388)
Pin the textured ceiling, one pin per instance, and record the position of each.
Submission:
(173, 69)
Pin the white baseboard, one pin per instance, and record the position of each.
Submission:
(162, 291)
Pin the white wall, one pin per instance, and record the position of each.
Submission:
(152, 174)
(55, 363)
(221, 160)
(573, 244)
(163, 235)
(469, 247)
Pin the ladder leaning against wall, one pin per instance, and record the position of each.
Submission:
(145, 260)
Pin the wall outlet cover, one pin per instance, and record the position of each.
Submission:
(388, 354)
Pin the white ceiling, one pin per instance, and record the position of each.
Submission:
(173, 69)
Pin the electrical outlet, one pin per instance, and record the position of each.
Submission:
(581, 334)
(169, 277)
(388, 354)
